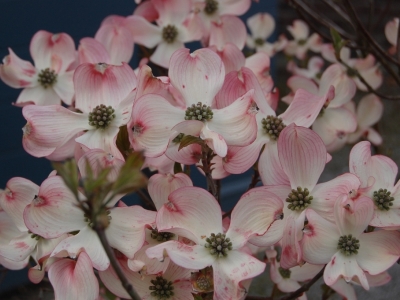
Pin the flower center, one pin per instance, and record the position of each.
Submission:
(218, 244)
(101, 116)
(351, 72)
(47, 78)
(203, 280)
(285, 273)
(169, 33)
(104, 217)
(199, 112)
(34, 236)
(348, 245)
(273, 126)
(211, 7)
(299, 199)
(161, 236)
(341, 134)
(203, 283)
(259, 41)
(37, 201)
(161, 288)
(382, 199)
(302, 42)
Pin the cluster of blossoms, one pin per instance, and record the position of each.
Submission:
(214, 109)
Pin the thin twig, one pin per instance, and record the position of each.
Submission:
(324, 21)
(207, 156)
(369, 88)
(315, 26)
(338, 9)
(254, 179)
(146, 199)
(372, 42)
(398, 46)
(114, 263)
(305, 287)
(383, 13)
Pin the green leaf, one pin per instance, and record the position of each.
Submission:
(338, 42)
(189, 140)
(130, 177)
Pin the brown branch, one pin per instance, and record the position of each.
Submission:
(254, 179)
(372, 46)
(383, 13)
(314, 25)
(146, 199)
(324, 21)
(207, 156)
(114, 263)
(398, 46)
(338, 9)
(305, 287)
(378, 49)
(369, 88)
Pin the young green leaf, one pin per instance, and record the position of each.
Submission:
(189, 140)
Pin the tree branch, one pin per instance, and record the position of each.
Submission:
(373, 43)
(207, 156)
(114, 263)
(324, 21)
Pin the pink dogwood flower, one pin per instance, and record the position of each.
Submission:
(197, 77)
(367, 67)
(334, 121)
(302, 40)
(104, 96)
(313, 70)
(74, 279)
(54, 212)
(50, 80)
(17, 243)
(195, 214)
(211, 11)
(377, 174)
(174, 282)
(175, 26)
(302, 112)
(391, 29)
(261, 26)
(288, 280)
(302, 158)
(369, 111)
(349, 252)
